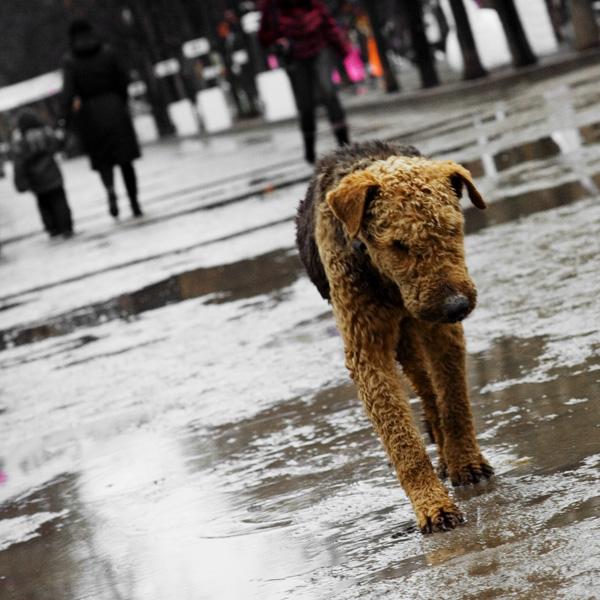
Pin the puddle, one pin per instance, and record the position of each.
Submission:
(264, 274)
(475, 167)
(590, 134)
(225, 283)
(511, 208)
(301, 498)
(219, 451)
(539, 149)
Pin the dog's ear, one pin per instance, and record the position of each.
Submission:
(459, 176)
(348, 200)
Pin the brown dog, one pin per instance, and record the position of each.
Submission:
(380, 233)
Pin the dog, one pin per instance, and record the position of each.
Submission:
(380, 234)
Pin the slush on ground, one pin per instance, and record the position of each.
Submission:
(176, 421)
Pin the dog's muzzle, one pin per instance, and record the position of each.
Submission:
(456, 308)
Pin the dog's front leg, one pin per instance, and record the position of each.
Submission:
(370, 356)
(446, 349)
(414, 362)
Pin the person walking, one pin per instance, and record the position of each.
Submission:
(95, 103)
(302, 33)
(36, 170)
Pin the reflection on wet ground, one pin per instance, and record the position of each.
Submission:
(538, 149)
(224, 283)
(159, 474)
(512, 208)
(261, 274)
(298, 500)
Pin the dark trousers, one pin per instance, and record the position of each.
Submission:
(311, 83)
(129, 178)
(55, 212)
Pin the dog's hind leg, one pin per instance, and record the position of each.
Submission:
(414, 362)
(445, 347)
(370, 344)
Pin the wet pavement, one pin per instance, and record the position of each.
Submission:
(175, 418)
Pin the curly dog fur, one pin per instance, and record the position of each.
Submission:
(380, 233)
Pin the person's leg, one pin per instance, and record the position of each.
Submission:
(301, 77)
(44, 202)
(108, 179)
(330, 98)
(62, 212)
(130, 179)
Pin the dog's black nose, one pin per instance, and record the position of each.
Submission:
(456, 307)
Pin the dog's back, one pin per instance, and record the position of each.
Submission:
(328, 172)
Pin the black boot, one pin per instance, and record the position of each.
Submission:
(309, 138)
(341, 134)
(113, 207)
(130, 180)
(135, 207)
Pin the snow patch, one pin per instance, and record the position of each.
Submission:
(573, 401)
(21, 529)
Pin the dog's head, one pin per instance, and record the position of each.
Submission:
(405, 213)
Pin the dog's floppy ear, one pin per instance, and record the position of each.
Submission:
(349, 199)
(459, 176)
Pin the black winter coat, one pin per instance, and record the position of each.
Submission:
(35, 168)
(103, 122)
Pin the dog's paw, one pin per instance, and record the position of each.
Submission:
(438, 518)
(470, 473)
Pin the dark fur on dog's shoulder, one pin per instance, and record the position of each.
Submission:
(329, 171)
(332, 167)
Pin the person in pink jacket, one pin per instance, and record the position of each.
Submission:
(302, 32)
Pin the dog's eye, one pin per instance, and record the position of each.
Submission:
(399, 245)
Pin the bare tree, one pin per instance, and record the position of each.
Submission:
(33, 41)
(584, 24)
(521, 51)
(413, 10)
(472, 64)
(146, 54)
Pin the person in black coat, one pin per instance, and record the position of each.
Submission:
(95, 102)
(36, 170)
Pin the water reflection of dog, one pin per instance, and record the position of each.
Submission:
(380, 233)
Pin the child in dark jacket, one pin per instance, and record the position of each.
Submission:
(36, 170)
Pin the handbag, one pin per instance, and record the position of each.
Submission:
(354, 66)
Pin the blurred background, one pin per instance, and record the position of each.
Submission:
(198, 67)
(176, 420)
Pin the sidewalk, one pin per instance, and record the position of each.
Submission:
(202, 198)
(188, 186)
(560, 63)
(176, 417)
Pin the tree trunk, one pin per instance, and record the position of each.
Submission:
(520, 49)
(473, 67)
(584, 24)
(554, 13)
(423, 54)
(391, 83)
(156, 91)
